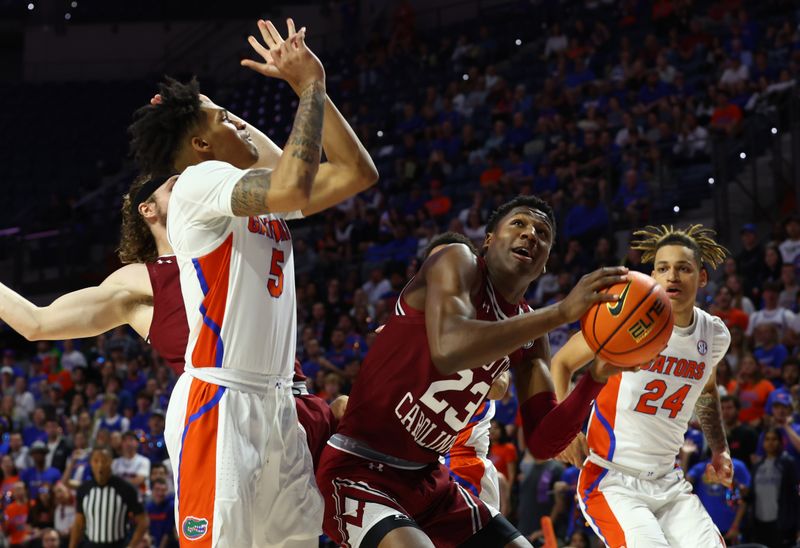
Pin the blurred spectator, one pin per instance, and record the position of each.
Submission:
(71, 357)
(111, 420)
(155, 446)
(788, 296)
(106, 524)
(790, 247)
(740, 300)
(51, 539)
(161, 512)
(78, 470)
(742, 438)
(775, 494)
(376, 286)
(18, 452)
(749, 261)
(752, 390)
(692, 141)
(769, 353)
(332, 387)
(539, 494)
(35, 432)
(727, 116)
(58, 447)
(439, 204)
(64, 511)
(41, 515)
(10, 477)
(588, 219)
(784, 320)
(502, 452)
(39, 476)
(130, 465)
(633, 199)
(726, 506)
(780, 418)
(771, 265)
(15, 517)
(723, 308)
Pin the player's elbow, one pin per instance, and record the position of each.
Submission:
(444, 362)
(367, 174)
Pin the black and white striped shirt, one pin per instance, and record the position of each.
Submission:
(106, 509)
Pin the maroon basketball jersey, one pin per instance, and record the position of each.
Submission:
(401, 405)
(169, 330)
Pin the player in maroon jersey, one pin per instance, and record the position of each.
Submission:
(458, 325)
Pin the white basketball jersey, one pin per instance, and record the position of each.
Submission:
(639, 418)
(237, 275)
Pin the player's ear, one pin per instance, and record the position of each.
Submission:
(487, 240)
(200, 145)
(703, 276)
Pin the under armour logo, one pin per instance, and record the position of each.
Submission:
(162, 261)
(376, 466)
(486, 307)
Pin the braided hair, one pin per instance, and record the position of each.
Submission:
(696, 237)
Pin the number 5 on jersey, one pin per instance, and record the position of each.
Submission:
(275, 278)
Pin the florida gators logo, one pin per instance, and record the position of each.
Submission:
(194, 528)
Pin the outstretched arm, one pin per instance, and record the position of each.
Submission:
(709, 413)
(349, 169)
(125, 297)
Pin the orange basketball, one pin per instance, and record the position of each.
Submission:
(634, 329)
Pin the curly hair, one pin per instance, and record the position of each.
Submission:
(698, 238)
(136, 242)
(158, 131)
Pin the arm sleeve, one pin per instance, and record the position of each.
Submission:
(203, 192)
(549, 427)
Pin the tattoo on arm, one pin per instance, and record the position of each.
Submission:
(306, 137)
(249, 196)
(709, 413)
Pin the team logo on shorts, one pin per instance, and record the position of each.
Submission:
(194, 528)
(702, 347)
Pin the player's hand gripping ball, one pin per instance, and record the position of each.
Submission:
(633, 330)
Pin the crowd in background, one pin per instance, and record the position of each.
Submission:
(591, 115)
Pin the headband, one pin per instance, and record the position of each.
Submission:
(146, 190)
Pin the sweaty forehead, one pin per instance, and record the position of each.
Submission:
(530, 212)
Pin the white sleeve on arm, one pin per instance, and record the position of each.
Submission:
(200, 214)
(204, 191)
(721, 342)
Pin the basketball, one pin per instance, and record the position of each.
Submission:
(634, 329)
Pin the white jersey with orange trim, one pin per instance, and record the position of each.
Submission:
(639, 418)
(237, 277)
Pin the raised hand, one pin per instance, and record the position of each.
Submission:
(587, 291)
(289, 59)
(720, 469)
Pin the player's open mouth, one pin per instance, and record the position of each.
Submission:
(673, 291)
(522, 254)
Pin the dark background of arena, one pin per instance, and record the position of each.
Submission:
(619, 113)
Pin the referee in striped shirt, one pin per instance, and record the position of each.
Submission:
(104, 506)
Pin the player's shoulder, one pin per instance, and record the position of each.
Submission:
(452, 258)
(133, 277)
(715, 323)
(193, 180)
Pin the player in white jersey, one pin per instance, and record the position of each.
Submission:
(243, 472)
(630, 489)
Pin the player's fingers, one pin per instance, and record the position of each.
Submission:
(262, 68)
(256, 45)
(605, 281)
(273, 32)
(290, 26)
(266, 36)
